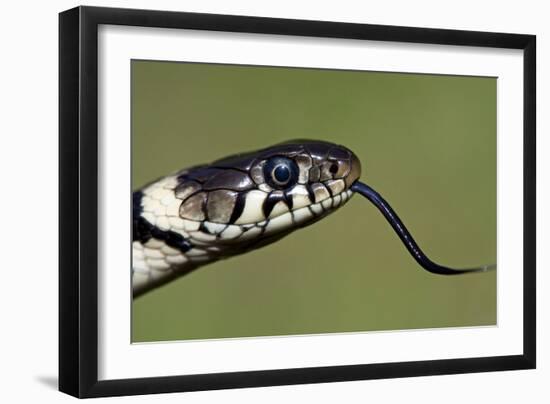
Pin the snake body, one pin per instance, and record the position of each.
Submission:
(231, 206)
(206, 213)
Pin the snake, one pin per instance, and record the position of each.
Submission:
(206, 213)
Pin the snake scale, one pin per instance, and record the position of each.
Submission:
(242, 202)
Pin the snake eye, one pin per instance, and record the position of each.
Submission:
(280, 172)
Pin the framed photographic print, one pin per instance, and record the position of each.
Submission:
(251, 201)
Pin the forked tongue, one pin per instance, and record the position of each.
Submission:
(406, 237)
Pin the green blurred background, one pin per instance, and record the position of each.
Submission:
(427, 143)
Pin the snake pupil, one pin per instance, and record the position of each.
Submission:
(281, 174)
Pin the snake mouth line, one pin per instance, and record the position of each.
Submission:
(207, 232)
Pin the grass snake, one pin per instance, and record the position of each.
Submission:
(242, 202)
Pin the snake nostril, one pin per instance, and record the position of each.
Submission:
(333, 168)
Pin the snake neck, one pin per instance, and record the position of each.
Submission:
(162, 249)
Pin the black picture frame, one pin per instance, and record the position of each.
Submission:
(78, 196)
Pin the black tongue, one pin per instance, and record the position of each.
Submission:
(406, 237)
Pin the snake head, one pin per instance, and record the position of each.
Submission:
(262, 195)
